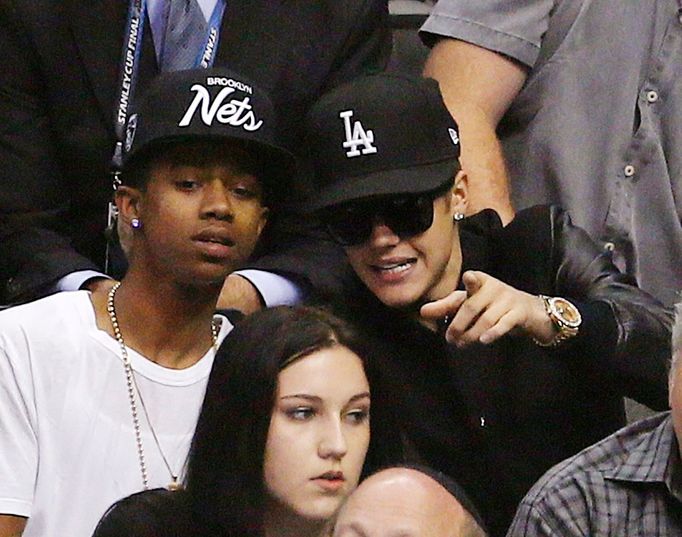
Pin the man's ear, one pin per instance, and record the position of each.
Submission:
(460, 193)
(263, 220)
(128, 203)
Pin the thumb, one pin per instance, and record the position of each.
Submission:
(444, 306)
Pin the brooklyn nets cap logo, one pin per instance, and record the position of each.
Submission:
(234, 112)
(356, 136)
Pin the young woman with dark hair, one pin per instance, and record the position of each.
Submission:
(283, 432)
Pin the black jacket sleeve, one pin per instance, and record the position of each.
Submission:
(35, 249)
(632, 348)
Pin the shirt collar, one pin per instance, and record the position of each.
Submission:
(655, 459)
(156, 13)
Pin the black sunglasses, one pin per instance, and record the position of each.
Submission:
(407, 215)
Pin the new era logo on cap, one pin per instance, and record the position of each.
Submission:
(453, 135)
(356, 136)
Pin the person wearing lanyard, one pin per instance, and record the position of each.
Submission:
(100, 392)
(63, 67)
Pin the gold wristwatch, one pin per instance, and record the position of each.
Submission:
(566, 319)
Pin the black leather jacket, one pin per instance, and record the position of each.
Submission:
(496, 417)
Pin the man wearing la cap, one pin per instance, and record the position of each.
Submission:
(510, 348)
(100, 393)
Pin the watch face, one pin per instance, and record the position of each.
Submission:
(566, 312)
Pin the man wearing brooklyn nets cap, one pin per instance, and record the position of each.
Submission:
(510, 348)
(100, 393)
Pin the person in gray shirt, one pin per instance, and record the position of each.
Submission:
(577, 103)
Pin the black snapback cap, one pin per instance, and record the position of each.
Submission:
(380, 135)
(211, 104)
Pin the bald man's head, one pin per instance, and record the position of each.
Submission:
(404, 502)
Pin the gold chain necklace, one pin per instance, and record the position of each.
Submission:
(133, 388)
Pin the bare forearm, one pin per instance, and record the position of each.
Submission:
(239, 293)
(478, 85)
(12, 526)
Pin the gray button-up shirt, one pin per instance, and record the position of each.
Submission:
(597, 128)
(624, 486)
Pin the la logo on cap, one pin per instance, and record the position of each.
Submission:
(356, 136)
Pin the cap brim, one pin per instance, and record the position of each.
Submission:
(278, 163)
(413, 180)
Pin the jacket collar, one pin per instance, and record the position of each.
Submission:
(475, 234)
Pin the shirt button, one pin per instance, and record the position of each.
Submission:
(609, 246)
(652, 96)
(629, 170)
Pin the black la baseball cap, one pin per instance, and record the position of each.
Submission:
(209, 104)
(380, 135)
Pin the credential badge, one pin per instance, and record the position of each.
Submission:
(130, 132)
(357, 136)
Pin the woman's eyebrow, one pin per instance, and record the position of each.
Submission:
(308, 397)
(315, 398)
(358, 396)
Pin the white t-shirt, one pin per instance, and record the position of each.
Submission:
(67, 444)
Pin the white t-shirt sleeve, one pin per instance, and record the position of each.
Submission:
(275, 290)
(18, 439)
(75, 280)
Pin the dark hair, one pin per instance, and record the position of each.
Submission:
(150, 513)
(225, 486)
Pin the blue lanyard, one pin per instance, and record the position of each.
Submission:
(207, 56)
(130, 60)
(127, 80)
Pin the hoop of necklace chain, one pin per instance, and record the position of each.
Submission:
(133, 388)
